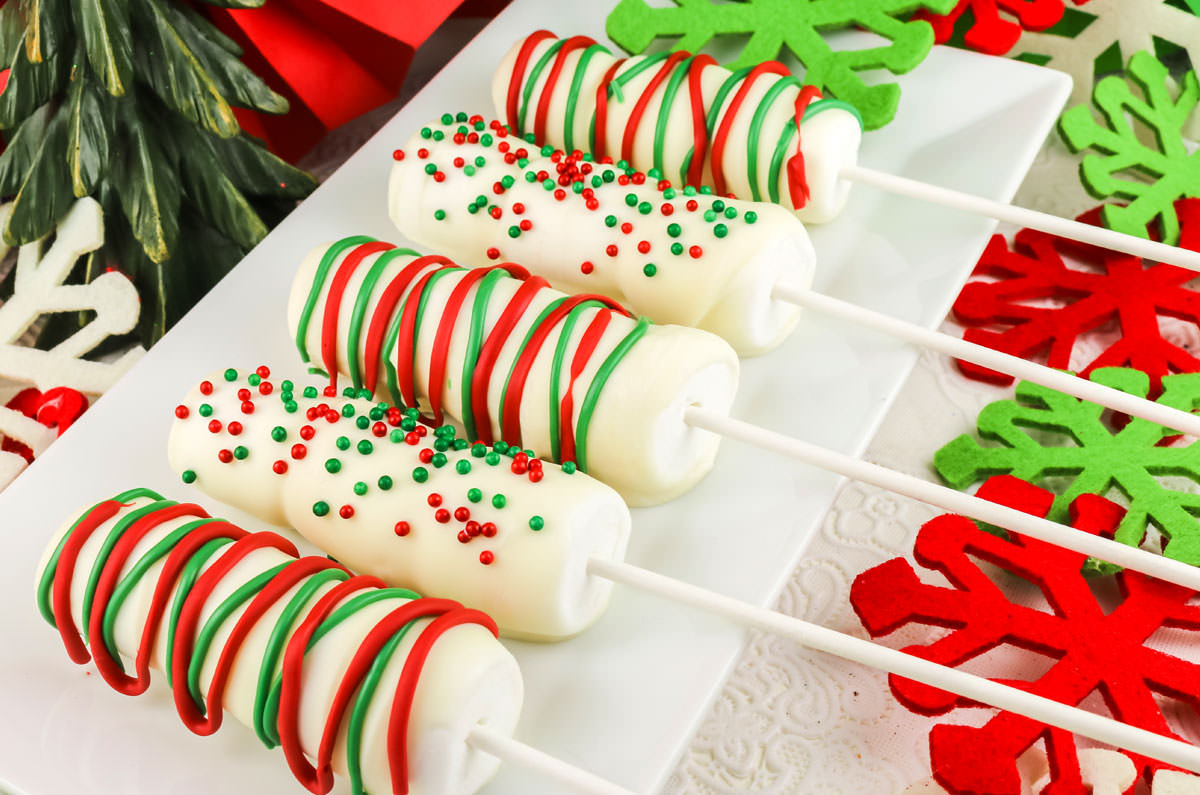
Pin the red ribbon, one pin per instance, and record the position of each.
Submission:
(334, 60)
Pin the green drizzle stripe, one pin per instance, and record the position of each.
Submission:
(314, 291)
(268, 732)
(208, 631)
(362, 703)
(106, 549)
(560, 353)
(588, 406)
(573, 94)
(130, 581)
(393, 334)
(479, 308)
(538, 321)
(664, 110)
(186, 581)
(534, 74)
(351, 606)
(618, 82)
(365, 290)
(46, 583)
(756, 122)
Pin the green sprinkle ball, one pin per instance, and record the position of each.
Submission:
(463, 467)
(420, 474)
(439, 215)
(310, 392)
(474, 495)
(343, 443)
(569, 467)
(384, 482)
(231, 374)
(241, 453)
(360, 488)
(650, 269)
(499, 501)
(333, 466)
(205, 410)
(320, 508)
(720, 230)
(365, 447)
(279, 433)
(188, 476)
(536, 522)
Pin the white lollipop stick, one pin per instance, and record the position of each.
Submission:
(1015, 366)
(976, 688)
(1061, 227)
(948, 499)
(515, 752)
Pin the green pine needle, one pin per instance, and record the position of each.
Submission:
(131, 101)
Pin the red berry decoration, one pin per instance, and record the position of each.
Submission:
(1089, 646)
(991, 33)
(1123, 288)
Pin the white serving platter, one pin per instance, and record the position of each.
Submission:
(624, 698)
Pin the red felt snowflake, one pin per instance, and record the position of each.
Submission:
(990, 32)
(1124, 288)
(1093, 645)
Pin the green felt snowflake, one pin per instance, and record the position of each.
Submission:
(1125, 158)
(1096, 458)
(772, 25)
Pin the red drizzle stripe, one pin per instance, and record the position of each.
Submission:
(587, 345)
(383, 314)
(292, 683)
(511, 421)
(406, 688)
(108, 666)
(279, 585)
(405, 365)
(543, 108)
(722, 135)
(600, 144)
(189, 620)
(518, 74)
(490, 351)
(333, 304)
(699, 124)
(797, 178)
(61, 594)
(441, 339)
(639, 108)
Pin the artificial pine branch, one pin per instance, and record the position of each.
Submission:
(148, 129)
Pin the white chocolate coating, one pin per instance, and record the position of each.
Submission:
(830, 133)
(468, 678)
(536, 586)
(636, 442)
(711, 269)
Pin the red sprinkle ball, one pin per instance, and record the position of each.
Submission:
(247, 407)
(330, 392)
(486, 557)
(488, 529)
(462, 513)
(696, 252)
(493, 253)
(280, 467)
(346, 511)
(398, 155)
(214, 426)
(263, 371)
(644, 247)
(403, 528)
(206, 387)
(434, 500)
(586, 268)
(225, 455)
(181, 411)
(299, 451)
(307, 432)
(442, 515)
(234, 428)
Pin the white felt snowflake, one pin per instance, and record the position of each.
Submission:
(39, 290)
(1131, 24)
